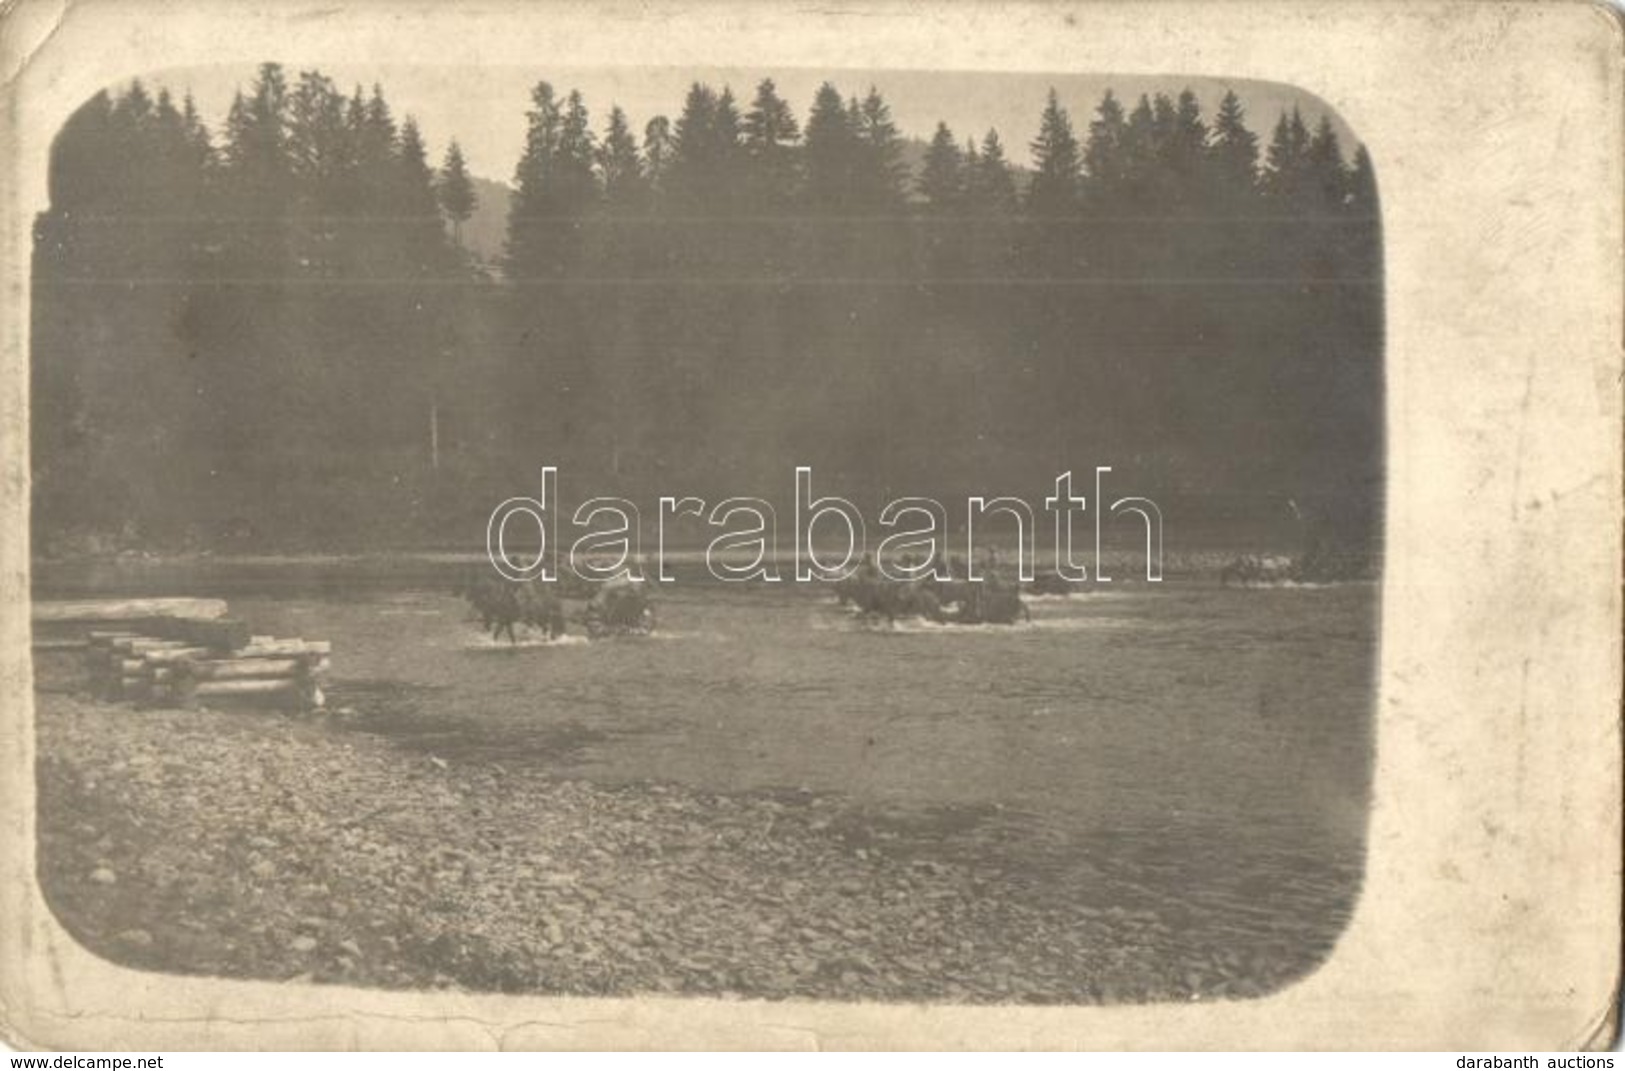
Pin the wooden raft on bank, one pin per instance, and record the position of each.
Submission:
(183, 652)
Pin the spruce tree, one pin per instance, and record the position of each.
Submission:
(256, 135)
(1362, 183)
(1141, 166)
(694, 178)
(257, 175)
(770, 136)
(942, 176)
(197, 135)
(318, 143)
(725, 130)
(1186, 150)
(657, 152)
(829, 152)
(1232, 153)
(619, 166)
(1056, 163)
(415, 199)
(1106, 176)
(576, 157)
(1326, 172)
(881, 172)
(991, 202)
(1286, 161)
(455, 191)
(534, 202)
(992, 183)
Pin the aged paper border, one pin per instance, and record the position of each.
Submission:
(1491, 912)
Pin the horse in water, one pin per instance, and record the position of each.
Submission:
(892, 599)
(501, 604)
(991, 600)
(620, 607)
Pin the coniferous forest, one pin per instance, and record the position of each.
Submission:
(265, 331)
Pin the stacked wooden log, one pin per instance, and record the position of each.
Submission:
(183, 652)
(147, 669)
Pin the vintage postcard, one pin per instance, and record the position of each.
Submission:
(747, 525)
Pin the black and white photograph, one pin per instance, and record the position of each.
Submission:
(756, 533)
(292, 347)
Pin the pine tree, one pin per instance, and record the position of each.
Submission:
(881, 172)
(830, 149)
(535, 209)
(376, 144)
(195, 192)
(175, 178)
(1056, 164)
(415, 179)
(991, 203)
(1186, 150)
(1325, 170)
(256, 135)
(619, 166)
(1362, 183)
(198, 140)
(942, 177)
(725, 130)
(1103, 156)
(372, 137)
(992, 183)
(1365, 242)
(1286, 161)
(657, 151)
(526, 241)
(1232, 152)
(455, 190)
(770, 136)
(577, 151)
(1140, 163)
(693, 133)
(318, 143)
(941, 184)
(258, 175)
(1164, 124)
(694, 177)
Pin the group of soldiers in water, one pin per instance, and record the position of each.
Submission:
(946, 593)
(617, 607)
(949, 592)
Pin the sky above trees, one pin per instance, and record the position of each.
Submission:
(483, 108)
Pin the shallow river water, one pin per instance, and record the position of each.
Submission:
(1201, 749)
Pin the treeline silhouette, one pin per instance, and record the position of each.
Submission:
(270, 334)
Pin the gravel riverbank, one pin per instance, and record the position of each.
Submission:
(272, 846)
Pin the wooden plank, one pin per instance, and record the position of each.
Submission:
(58, 643)
(103, 637)
(216, 689)
(141, 644)
(248, 669)
(283, 648)
(167, 656)
(95, 611)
